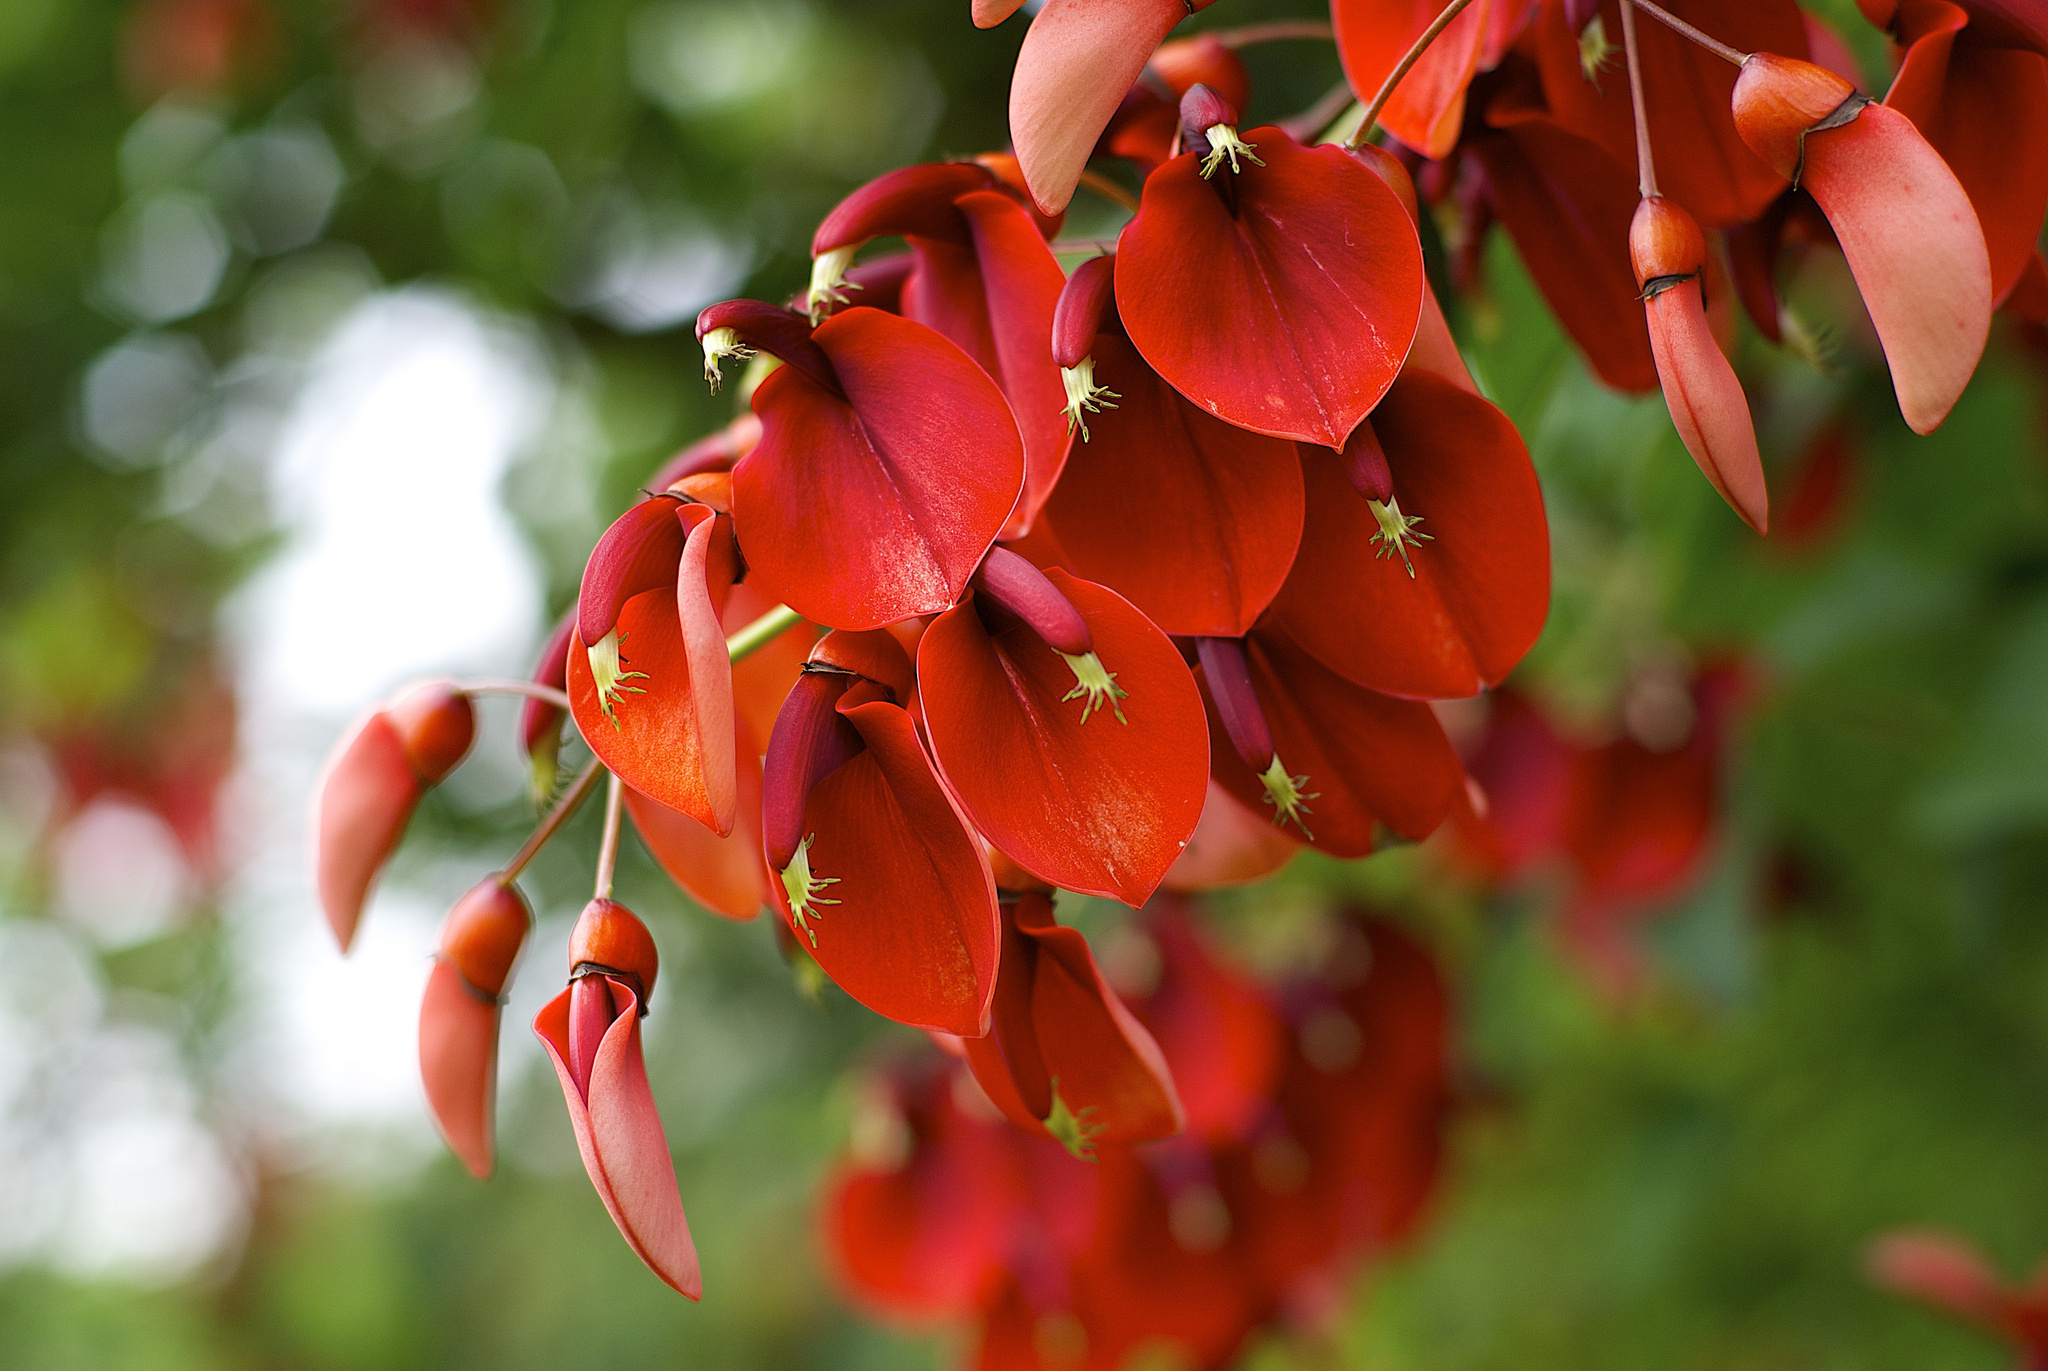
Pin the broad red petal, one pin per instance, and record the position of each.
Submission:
(726, 875)
(1481, 586)
(1101, 806)
(1367, 756)
(1427, 108)
(859, 512)
(1192, 520)
(459, 1064)
(1230, 846)
(1706, 402)
(619, 1133)
(1701, 162)
(1076, 63)
(364, 797)
(914, 934)
(1288, 314)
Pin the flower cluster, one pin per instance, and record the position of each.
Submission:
(1143, 575)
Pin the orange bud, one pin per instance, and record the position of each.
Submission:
(436, 723)
(1777, 99)
(713, 488)
(1663, 240)
(611, 937)
(484, 933)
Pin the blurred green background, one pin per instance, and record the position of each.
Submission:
(229, 228)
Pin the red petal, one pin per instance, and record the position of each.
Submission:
(1099, 806)
(365, 795)
(1939, 1269)
(1985, 110)
(1289, 316)
(1917, 252)
(1191, 519)
(915, 934)
(459, 1064)
(1701, 162)
(637, 553)
(876, 654)
(1057, 1026)
(1481, 587)
(725, 875)
(1524, 772)
(1215, 1027)
(859, 512)
(1230, 846)
(1367, 756)
(670, 733)
(1076, 63)
(907, 202)
(1427, 108)
(1706, 402)
(620, 1136)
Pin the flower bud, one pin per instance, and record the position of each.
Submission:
(610, 940)
(1664, 241)
(1779, 100)
(436, 723)
(484, 933)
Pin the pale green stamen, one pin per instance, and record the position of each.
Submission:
(1595, 52)
(1397, 530)
(1224, 142)
(1075, 1132)
(828, 282)
(802, 888)
(1084, 394)
(1288, 795)
(1096, 682)
(721, 343)
(609, 676)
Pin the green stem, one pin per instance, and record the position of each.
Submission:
(762, 632)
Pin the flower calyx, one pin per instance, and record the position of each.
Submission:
(1207, 118)
(1026, 592)
(1226, 670)
(1086, 303)
(810, 741)
(1778, 101)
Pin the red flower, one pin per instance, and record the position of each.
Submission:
(459, 1016)
(1426, 109)
(888, 462)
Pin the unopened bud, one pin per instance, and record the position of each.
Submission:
(436, 723)
(484, 933)
(1779, 100)
(610, 940)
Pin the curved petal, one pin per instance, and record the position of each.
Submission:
(1701, 162)
(914, 934)
(1368, 757)
(1480, 588)
(669, 730)
(1230, 846)
(859, 512)
(366, 793)
(1076, 63)
(619, 1133)
(1090, 804)
(1192, 520)
(459, 1064)
(1706, 402)
(725, 875)
(1281, 297)
(1939, 1269)
(1916, 250)
(1427, 108)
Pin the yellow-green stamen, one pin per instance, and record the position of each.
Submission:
(1397, 530)
(609, 675)
(1075, 1132)
(1289, 796)
(1224, 142)
(828, 282)
(1097, 683)
(1595, 52)
(802, 888)
(1084, 394)
(721, 343)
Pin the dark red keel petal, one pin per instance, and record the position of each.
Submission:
(1096, 805)
(459, 1064)
(903, 916)
(1191, 519)
(859, 512)
(619, 1133)
(1288, 314)
(1481, 584)
(1366, 756)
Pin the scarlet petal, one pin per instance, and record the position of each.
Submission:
(459, 1064)
(1230, 846)
(914, 935)
(1193, 520)
(670, 732)
(1100, 806)
(1481, 587)
(1215, 1026)
(365, 796)
(1916, 250)
(1367, 756)
(859, 512)
(1289, 316)
(1426, 109)
(1076, 63)
(1939, 1269)
(725, 875)
(1706, 402)
(620, 1136)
